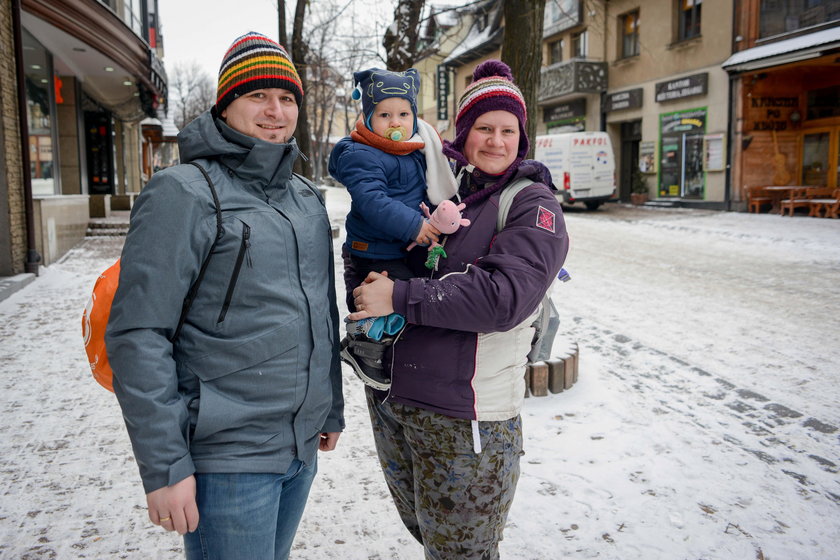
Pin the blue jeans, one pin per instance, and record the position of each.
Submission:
(253, 516)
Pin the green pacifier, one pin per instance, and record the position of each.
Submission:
(397, 134)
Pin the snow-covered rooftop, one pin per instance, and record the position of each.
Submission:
(795, 49)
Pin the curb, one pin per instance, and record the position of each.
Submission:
(11, 284)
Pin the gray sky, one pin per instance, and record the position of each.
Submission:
(202, 30)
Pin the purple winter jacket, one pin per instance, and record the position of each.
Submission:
(463, 352)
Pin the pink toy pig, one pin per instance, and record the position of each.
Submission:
(446, 218)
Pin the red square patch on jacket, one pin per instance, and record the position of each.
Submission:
(545, 219)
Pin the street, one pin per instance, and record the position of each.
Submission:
(704, 424)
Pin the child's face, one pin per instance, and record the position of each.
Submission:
(390, 113)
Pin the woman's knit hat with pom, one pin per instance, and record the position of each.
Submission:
(492, 89)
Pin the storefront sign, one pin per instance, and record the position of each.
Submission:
(630, 99)
(572, 109)
(442, 93)
(771, 113)
(689, 86)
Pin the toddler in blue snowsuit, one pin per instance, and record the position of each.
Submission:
(383, 165)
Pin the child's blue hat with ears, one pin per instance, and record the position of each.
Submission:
(374, 84)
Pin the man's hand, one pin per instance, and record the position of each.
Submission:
(373, 298)
(328, 441)
(173, 507)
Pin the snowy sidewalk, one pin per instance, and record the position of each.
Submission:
(704, 424)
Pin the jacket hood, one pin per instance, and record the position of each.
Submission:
(250, 158)
(536, 171)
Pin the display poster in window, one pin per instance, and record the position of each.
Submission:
(681, 143)
(713, 152)
(647, 157)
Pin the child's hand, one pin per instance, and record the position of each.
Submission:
(428, 234)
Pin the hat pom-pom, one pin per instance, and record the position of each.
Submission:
(356, 94)
(492, 68)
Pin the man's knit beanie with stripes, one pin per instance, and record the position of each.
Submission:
(252, 62)
(492, 89)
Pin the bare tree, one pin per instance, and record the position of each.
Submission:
(401, 38)
(281, 23)
(191, 92)
(325, 81)
(300, 50)
(522, 49)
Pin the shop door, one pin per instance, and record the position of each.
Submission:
(821, 157)
(631, 135)
(693, 178)
(99, 148)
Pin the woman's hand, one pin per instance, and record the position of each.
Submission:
(373, 298)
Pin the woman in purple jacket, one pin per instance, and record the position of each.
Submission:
(449, 434)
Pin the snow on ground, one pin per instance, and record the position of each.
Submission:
(704, 424)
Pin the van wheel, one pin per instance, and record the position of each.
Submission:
(592, 205)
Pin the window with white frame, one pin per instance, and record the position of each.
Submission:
(580, 44)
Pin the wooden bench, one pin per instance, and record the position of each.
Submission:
(756, 198)
(797, 198)
(830, 204)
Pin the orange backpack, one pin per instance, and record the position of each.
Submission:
(98, 309)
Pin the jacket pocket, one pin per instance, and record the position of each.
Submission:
(245, 387)
(241, 256)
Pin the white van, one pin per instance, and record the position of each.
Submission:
(582, 166)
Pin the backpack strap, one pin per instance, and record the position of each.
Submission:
(220, 231)
(546, 323)
(506, 200)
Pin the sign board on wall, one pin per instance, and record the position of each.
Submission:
(442, 93)
(688, 86)
(573, 109)
(630, 99)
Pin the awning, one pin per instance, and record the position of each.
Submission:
(796, 49)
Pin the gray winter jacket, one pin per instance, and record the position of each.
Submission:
(254, 377)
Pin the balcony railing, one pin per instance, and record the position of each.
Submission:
(574, 76)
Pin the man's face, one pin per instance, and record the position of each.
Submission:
(269, 114)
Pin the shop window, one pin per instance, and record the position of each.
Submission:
(629, 34)
(40, 116)
(777, 17)
(555, 51)
(681, 154)
(689, 16)
(824, 103)
(580, 44)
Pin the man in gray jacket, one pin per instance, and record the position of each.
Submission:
(226, 418)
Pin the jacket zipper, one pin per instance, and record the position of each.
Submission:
(243, 253)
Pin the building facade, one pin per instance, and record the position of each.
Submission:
(78, 78)
(785, 77)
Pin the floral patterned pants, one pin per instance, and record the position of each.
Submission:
(452, 500)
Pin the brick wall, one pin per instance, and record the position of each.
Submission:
(13, 222)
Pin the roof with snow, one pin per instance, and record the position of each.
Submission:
(795, 49)
(485, 35)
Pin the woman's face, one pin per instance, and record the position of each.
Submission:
(493, 142)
